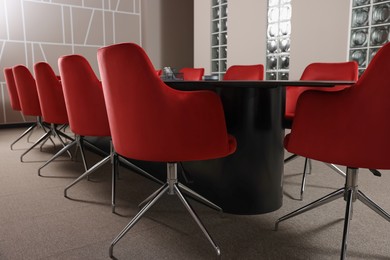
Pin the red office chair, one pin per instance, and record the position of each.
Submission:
(318, 71)
(192, 73)
(245, 72)
(87, 113)
(159, 72)
(353, 130)
(150, 121)
(14, 100)
(51, 100)
(84, 105)
(29, 100)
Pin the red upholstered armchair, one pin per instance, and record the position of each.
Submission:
(153, 122)
(192, 73)
(51, 99)
(29, 100)
(14, 100)
(245, 72)
(347, 71)
(353, 131)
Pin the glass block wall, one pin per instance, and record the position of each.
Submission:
(369, 30)
(278, 39)
(219, 13)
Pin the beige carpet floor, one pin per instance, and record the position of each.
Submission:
(37, 222)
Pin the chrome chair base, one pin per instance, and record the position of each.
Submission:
(52, 131)
(172, 187)
(307, 169)
(115, 164)
(190, 193)
(79, 142)
(29, 131)
(114, 158)
(351, 193)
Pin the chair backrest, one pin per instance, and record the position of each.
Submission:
(245, 72)
(192, 73)
(83, 97)
(27, 91)
(354, 128)
(151, 121)
(347, 71)
(51, 97)
(159, 72)
(12, 91)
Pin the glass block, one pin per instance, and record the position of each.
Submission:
(378, 1)
(372, 52)
(223, 52)
(216, 13)
(272, 62)
(224, 1)
(360, 2)
(273, 30)
(273, 2)
(283, 75)
(360, 17)
(272, 46)
(270, 76)
(224, 11)
(215, 53)
(379, 35)
(273, 15)
(285, 1)
(215, 39)
(285, 12)
(284, 45)
(359, 38)
(216, 26)
(361, 71)
(216, 2)
(224, 37)
(224, 65)
(360, 56)
(215, 66)
(285, 28)
(284, 62)
(381, 14)
(224, 25)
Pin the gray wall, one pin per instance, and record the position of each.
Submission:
(167, 33)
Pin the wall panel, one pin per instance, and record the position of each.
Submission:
(36, 30)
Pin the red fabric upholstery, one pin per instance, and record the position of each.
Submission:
(245, 72)
(50, 94)
(83, 97)
(192, 73)
(12, 91)
(320, 71)
(151, 121)
(354, 128)
(27, 91)
(159, 72)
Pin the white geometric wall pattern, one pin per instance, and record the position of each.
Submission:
(44, 30)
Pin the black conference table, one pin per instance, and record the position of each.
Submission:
(250, 181)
